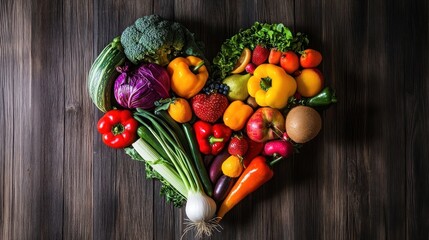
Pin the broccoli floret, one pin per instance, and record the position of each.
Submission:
(156, 40)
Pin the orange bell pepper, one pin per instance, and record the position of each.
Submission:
(236, 115)
(188, 76)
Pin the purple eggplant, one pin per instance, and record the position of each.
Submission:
(222, 188)
(216, 166)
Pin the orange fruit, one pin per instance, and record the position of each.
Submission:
(309, 82)
(180, 110)
(243, 60)
(232, 167)
(289, 61)
(310, 58)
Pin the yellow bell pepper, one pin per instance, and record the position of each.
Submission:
(188, 76)
(236, 115)
(271, 86)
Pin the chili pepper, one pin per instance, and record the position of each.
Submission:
(188, 75)
(211, 138)
(236, 115)
(271, 86)
(118, 128)
(324, 98)
(255, 175)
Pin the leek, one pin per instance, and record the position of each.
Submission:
(176, 167)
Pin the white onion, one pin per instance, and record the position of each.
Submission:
(200, 210)
(200, 207)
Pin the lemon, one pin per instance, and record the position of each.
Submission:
(232, 167)
(244, 59)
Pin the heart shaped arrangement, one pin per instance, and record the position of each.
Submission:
(210, 133)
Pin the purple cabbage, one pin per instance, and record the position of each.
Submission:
(141, 87)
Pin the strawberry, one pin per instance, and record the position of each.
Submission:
(238, 146)
(209, 107)
(260, 55)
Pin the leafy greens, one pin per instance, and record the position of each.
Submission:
(269, 35)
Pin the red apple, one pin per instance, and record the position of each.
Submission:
(265, 124)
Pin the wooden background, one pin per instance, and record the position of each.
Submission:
(366, 176)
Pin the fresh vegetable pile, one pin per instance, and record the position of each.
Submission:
(210, 134)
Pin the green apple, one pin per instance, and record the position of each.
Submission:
(237, 84)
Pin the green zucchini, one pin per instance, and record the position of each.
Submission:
(103, 74)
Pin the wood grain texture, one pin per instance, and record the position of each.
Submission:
(364, 177)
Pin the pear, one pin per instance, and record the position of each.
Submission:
(237, 84)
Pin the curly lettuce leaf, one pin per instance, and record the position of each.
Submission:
(269, 35)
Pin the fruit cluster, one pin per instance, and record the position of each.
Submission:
(267, 106)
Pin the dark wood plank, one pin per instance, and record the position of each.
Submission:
(33, 164)
(416, 86)
(79, 119)
(48, 86)
(371, 181)
(15, 167)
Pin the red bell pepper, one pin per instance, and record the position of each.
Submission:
(118, 128)
(211, 138)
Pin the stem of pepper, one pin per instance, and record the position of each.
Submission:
(265, 83)
(117, 129)
(197, 67)
(276, 160)
(215, 139)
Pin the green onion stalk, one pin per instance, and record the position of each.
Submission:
(162, 149)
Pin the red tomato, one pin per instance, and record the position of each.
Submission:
(289, 61)
(310, 58)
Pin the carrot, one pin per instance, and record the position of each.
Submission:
(274, 57)
(255, 175)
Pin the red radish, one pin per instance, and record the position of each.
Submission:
(250, 68)
(277, 148)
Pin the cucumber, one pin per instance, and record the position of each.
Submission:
(198, 160)
(103, 74)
